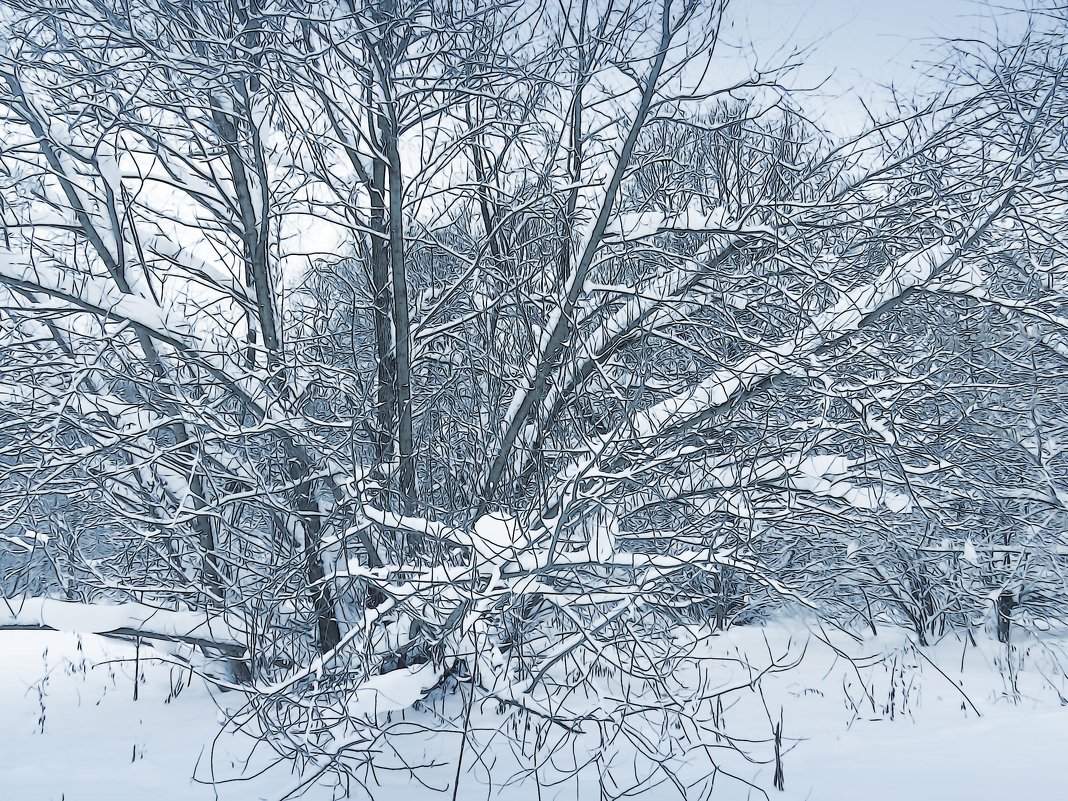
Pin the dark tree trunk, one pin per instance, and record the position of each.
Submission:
(1005, 603)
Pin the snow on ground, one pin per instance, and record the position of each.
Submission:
(72, 730)
(930, 743)
(901, 727)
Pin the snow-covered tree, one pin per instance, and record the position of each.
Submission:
(395, 346)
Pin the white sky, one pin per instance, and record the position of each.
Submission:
(862, 44)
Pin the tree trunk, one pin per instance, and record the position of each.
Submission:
(401, 322)
(1004, 605)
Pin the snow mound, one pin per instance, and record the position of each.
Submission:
(497, 537)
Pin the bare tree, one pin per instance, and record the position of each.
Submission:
(481, 347)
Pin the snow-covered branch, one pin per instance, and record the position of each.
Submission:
(209, 629)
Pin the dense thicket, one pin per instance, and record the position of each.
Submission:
(510, 340)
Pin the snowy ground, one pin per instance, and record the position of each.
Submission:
(891, 729)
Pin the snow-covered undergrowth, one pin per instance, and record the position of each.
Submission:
(87, 719)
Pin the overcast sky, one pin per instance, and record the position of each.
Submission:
(864, 43)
